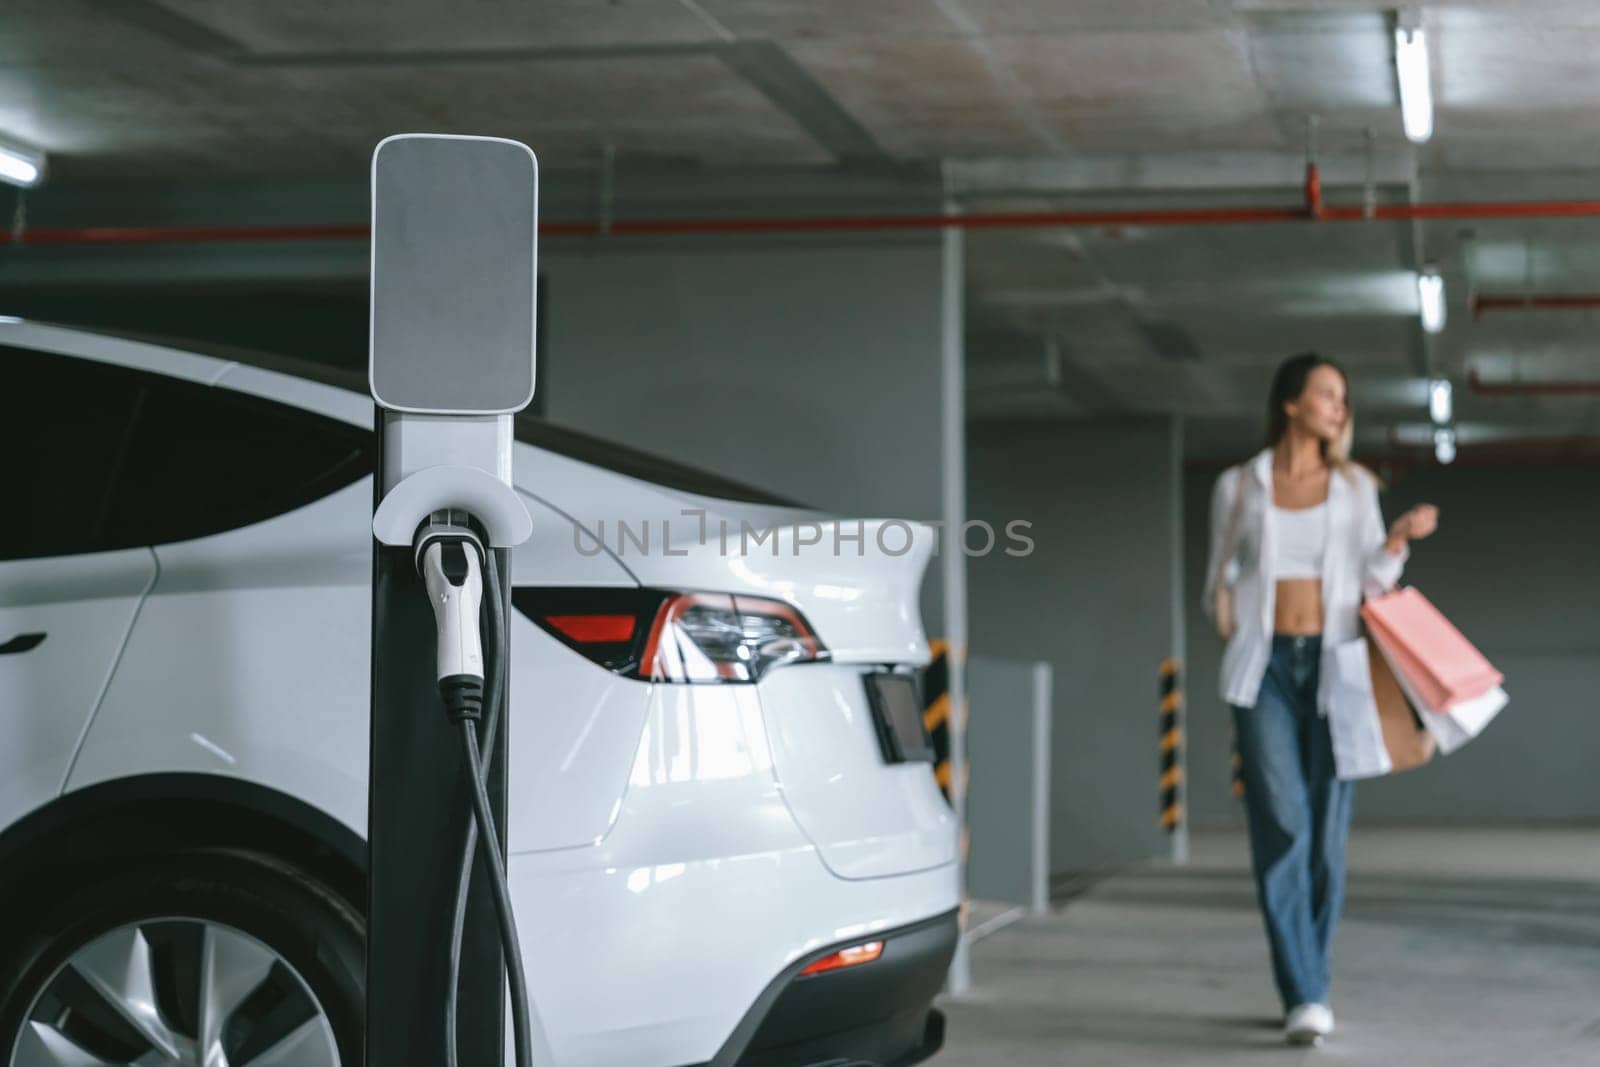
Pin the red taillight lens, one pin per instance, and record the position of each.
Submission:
(595, 629)
(848, 957)
(674, 637)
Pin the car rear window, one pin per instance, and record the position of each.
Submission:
(530, 429)
(110, 457)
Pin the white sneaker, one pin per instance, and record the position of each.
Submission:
(1308, 1024)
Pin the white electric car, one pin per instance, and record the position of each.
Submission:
(726, 843)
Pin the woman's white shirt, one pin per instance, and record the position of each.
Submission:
(1354, 564)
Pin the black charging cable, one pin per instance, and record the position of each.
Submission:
(493, 701)
(464, 709)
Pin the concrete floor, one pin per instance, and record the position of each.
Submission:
(1459, 948)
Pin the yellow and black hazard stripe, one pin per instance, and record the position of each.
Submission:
(936, 717)
(1171, 746)
(936, 710)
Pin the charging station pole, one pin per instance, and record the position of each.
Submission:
(417, 814)
(453, 270)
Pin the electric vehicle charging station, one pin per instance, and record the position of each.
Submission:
(454, 263)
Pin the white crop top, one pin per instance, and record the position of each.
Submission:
(1301, 542)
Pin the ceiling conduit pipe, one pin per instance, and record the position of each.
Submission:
(1546, 388)
(1573, 448)
(1483, 302)
(1404, 456)
(1314, 208)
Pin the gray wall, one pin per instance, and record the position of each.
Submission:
(326, 323)
(809, 369)
(1093, 600)
(1514, 566)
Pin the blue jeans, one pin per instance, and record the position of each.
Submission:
(1299, 815)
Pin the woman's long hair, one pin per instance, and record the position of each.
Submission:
(1287, 385)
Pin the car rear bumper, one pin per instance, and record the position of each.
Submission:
(878, 1013)
(704, 890)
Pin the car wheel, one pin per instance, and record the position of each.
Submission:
(201, 958)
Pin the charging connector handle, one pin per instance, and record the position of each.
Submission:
(451, 565)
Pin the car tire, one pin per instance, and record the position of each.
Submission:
(185, 915)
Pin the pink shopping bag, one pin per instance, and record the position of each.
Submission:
(1443, 667)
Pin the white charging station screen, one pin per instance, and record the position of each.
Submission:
(453, 274)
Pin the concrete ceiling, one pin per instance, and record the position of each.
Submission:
(204, 87)
(1042, 104)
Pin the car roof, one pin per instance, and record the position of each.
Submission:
(530, 429)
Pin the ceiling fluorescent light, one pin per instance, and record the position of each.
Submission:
(21, 166)
(1416, 92)
(1440, 405)
(1444, 445)
(1430, 300)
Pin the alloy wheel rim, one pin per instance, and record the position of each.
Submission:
(175, 992)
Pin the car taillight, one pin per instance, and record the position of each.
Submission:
(674, 637)
(595, 629)
(708, 637)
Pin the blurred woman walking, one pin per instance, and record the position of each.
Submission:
(1297, 539)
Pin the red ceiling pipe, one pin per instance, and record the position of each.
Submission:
(1483, 388)
(1505, 209)
(1482, 302)
(665, 227)
(1567, 448)
(91, 235)
(1314, 209)
(1403, 456)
